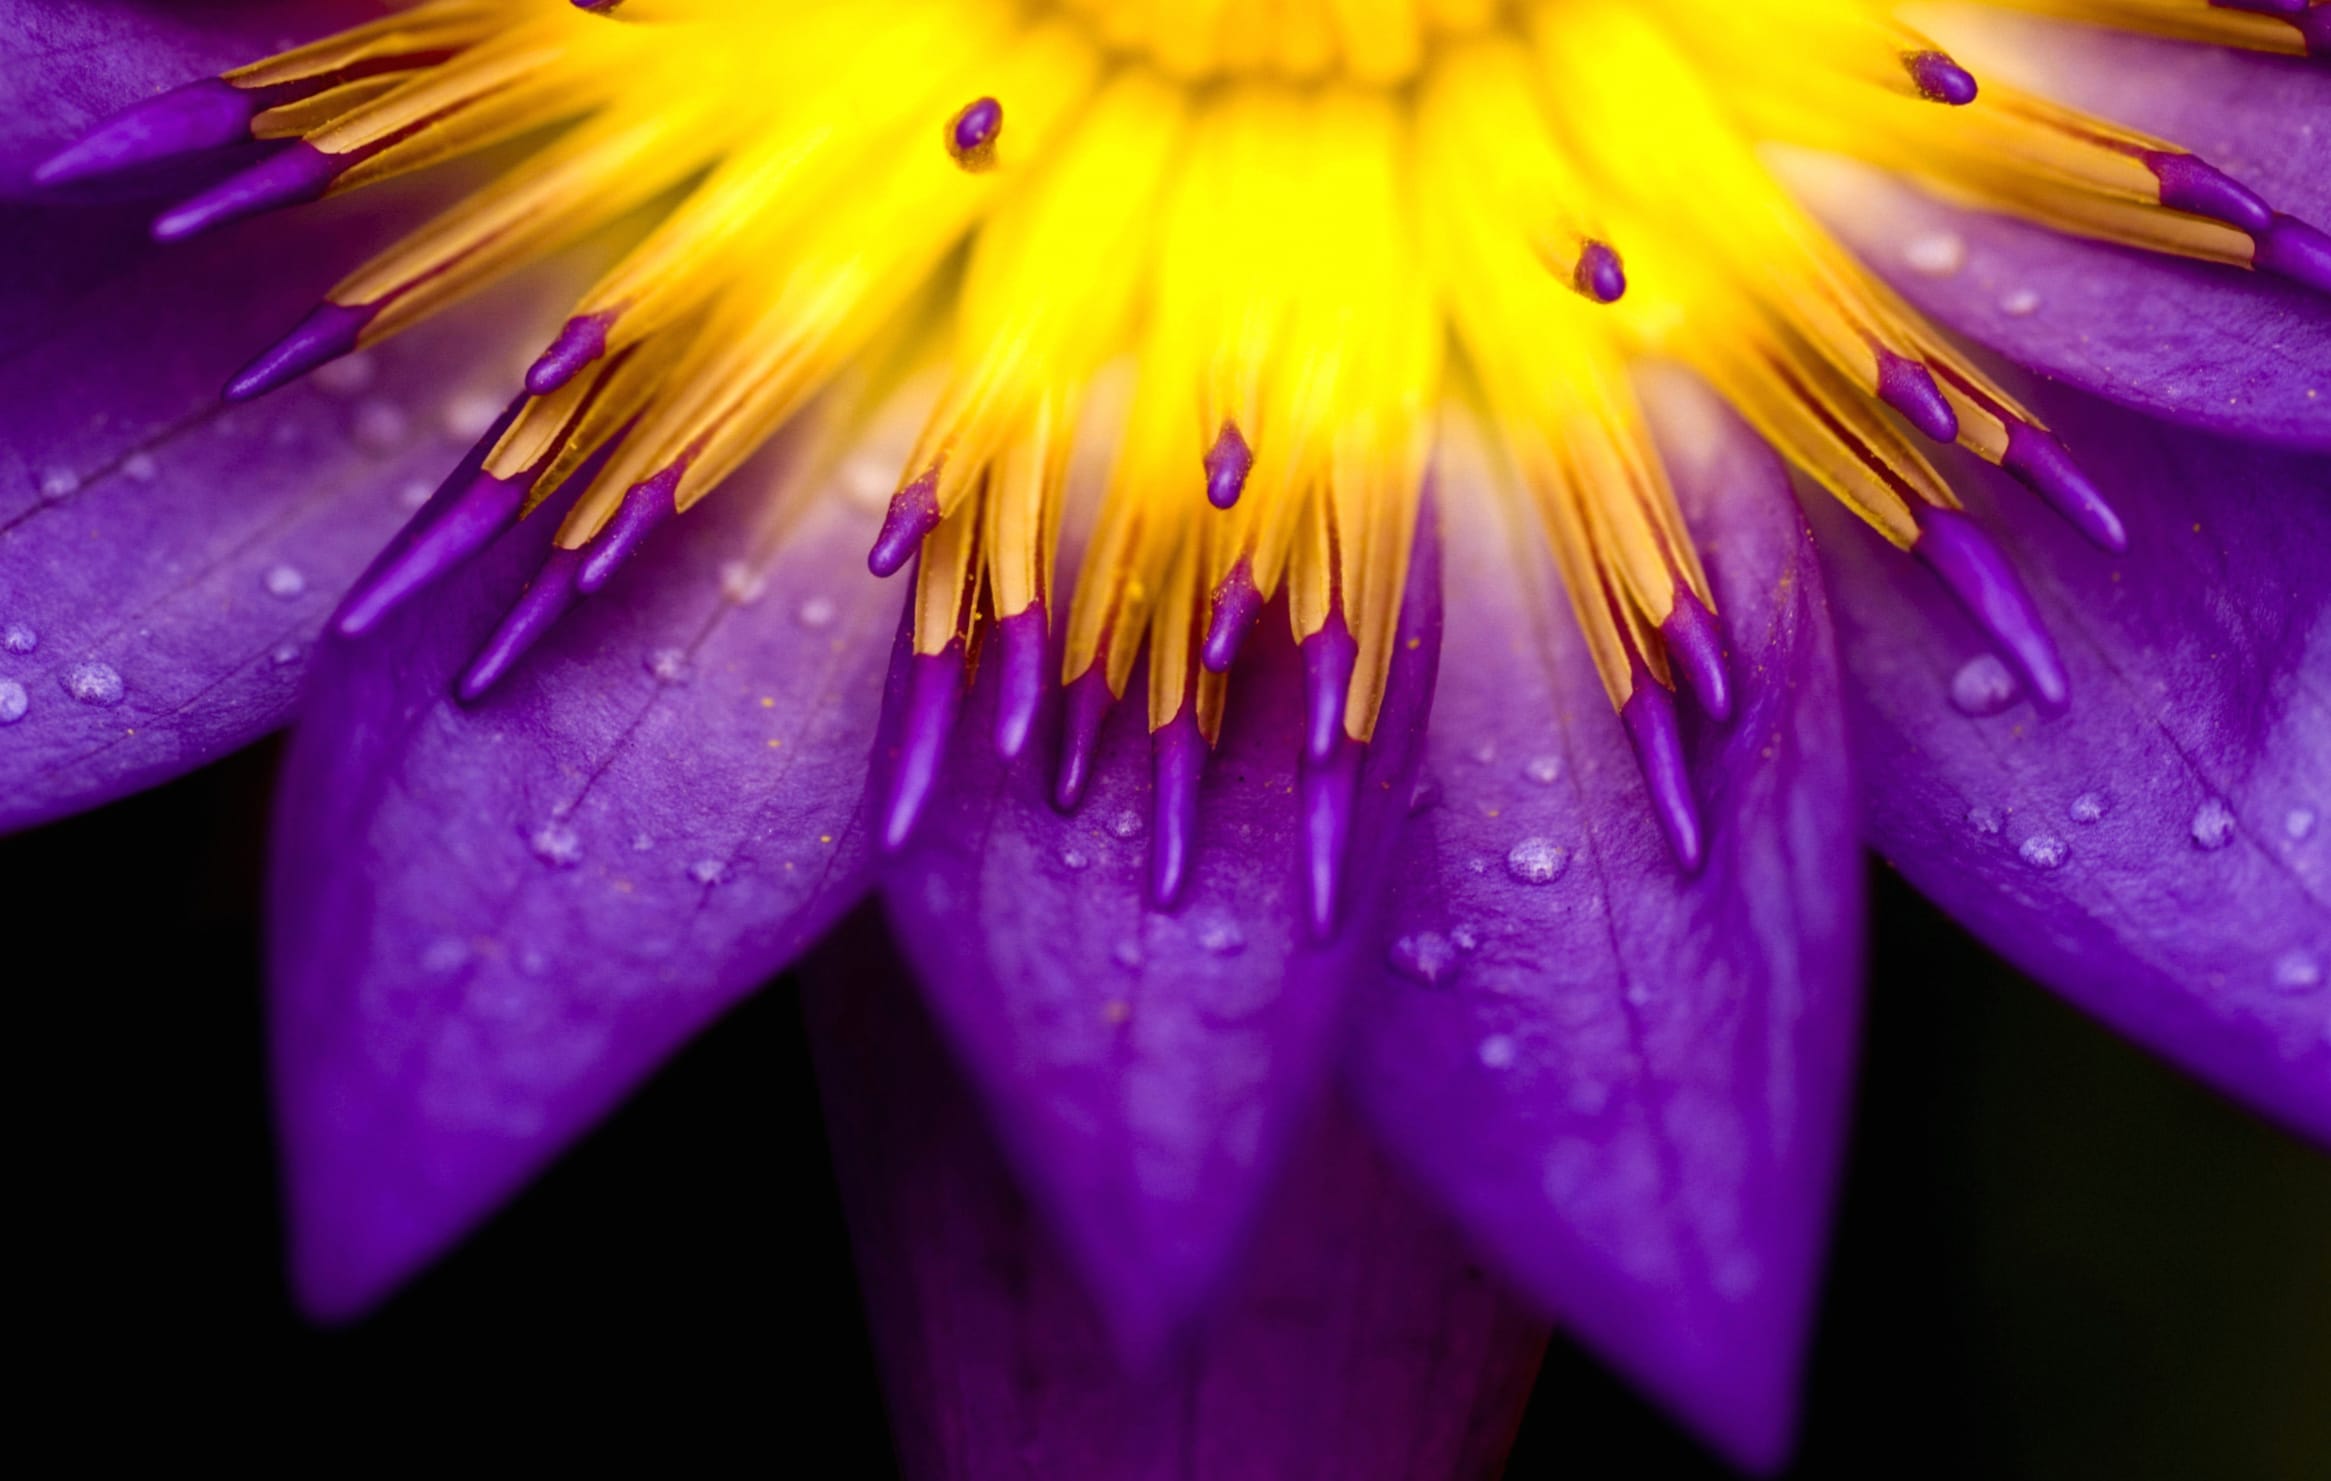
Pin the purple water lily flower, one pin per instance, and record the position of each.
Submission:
(1411, 404)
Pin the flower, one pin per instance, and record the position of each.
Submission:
(1582, 956)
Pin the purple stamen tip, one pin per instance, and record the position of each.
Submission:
(1084, 706)
(1177, 755)
(1908, 387)
(441, 540)
(1327, 792)
(1329, 656)
(1600, 275)
(1237, 603)
(300, 173)
(934, 696)
(329, 331)
(1227, 464)
(1939, 79)
(209, 114)
(580, 341)
(2188, 184)
(1695, 643)
(1979, 574)
(971, 135)
(1650, 721)
(1021, 669)
(645, 507)
(2045, 467)
(913, 513)
(2290, 248)
(545, 599)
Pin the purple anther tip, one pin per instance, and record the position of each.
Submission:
(1329, 656)
(1979, 574)
(209, 114)
(2045, 467)
(1177, 759)
(1650, 721)
(2189, 184)
(329, 331)
(1695, 643)
(1939, 79)
(1907, 386)
(645, 507)
(1084, 705)
(580, 341)
(971, 134)
(299, 173)
(2290, 248)
(545, 599)
(934, 696)
(1227, 464)
(1327, 792)
(442, 540)
(1600, 275)
(1237, 603)
(913, 513)
(1021, 671)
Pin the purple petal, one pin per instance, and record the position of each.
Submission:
(2161, 855)
(191, 550)
(491, 923)
(1147, 1070)
(1359, 1343)
(67, 67)
(1629, 1085)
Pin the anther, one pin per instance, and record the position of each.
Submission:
(1939, 79)
(205, 115)
(645, 507)
(2043, 465)
(934, 696)
(1599, 275)
(297, 174)
(580, 341)
(329, 331)
(1237, 603)
(1979, 574)
(1329, 656)
(1177, 756)
(1021, 640)
(913, 513)
(537, 610)
(1908, 387)
(1650, 721)
(2188, 184)
(1227, 464)
(468, 523)
(971, 134)
(1695, 644)
(1085, 703)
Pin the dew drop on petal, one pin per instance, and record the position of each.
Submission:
(2213, 825)
(1936, 254)
(1424, 797)
(94, 684)
(471, 416)
(642, 843)
(59, 483)
(1127, 824)
(381, 426)
(413, 493)
(1126, 953)
(669, 665)
(20, 637)
(350, 375)
(1544, 770)
(2299, 823)
(1074, 859)
(140, 468)
(740, 583)
(1983, 820)
(557, 845)
(285, 655)
(1537, 861)
(1497, 1051)
(1485, 752)
(13, 701)
(1222, 938)
(2044, 851)
(2297, 971)
(815, 613)
(2088, 807)
(445, 956)
(708, 872)
(1426, 957)
(1465, 938)
(2020, 303)
(1982, 686)
(284, 582)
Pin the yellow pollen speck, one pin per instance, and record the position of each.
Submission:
(768, 702)
(825, 838)
(1116, 1010)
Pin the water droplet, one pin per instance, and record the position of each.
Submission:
(557, 845)
(1485, 752)
(471, 415)
(2088, 807)
(1983, 820)
(2299, 823)
(1074, 858)
(708, 872)
(13, 701)
(350, 375)
(669, 665)
(1537, 861)
(284, 582)
(413, 493)
(1222, 938)
(740, 583)
(2297, 971)
(1497, 1051)
(1936, 254)
(2213, 825)
(94, 684)
(140, 468)
(1127, 824)
(1982, 686)
(816, 612)
(285, 655)
(444, 956)
(2045, 851)
(1465, 938)
(20, 637)
(59, 483)
(2020, 303)
(1425, 957)
(1424, 797)
(642, 843)
(1544, 770)
(1126, 953)
(381, 426)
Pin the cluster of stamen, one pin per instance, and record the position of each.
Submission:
(1282, 252)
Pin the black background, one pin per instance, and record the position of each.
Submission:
(2055, 1258)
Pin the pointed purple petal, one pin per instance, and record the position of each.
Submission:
(492, 922)
(2162, 853)
(1627, 1084)
(1358, 1342)
(1146, 1070)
